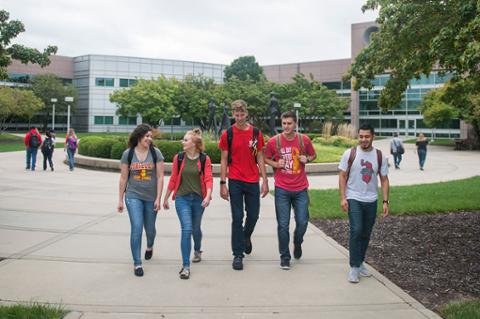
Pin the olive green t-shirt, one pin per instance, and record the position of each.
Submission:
(190, 178)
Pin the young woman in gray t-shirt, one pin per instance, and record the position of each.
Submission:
(141, 184)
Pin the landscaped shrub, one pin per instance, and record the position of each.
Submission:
(212, 150)
(117, 149)
(97, 146)
(169, 149)
(339, 141)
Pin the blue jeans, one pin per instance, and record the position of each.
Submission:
(31, 157)
(190, 211)
(284, 201)
(362, 218)
(397, 158)
(249, 193)
(71, 158)
(422, 154)
(141, 215)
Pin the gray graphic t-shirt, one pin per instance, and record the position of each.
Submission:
(142, 183)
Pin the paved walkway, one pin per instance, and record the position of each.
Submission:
(64, 243)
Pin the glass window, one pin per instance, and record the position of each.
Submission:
(110, 82)
(104, 82)
(100, 82)
(98, 120)
(390, 123)
(123, 83)
(333, 85)
(108, 119)
(132, 120)
(122, 120)
(132, 82)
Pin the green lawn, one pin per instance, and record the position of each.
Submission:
(462, 310)
(425, 198)
(10, 143)
(438, 141)
(34, 311)
(328, 154)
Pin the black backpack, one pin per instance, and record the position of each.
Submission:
(256, 131)
(203, 159)
(34, 141)
(48, 145)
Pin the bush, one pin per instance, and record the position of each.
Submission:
(117, 149)
(212, 150)
(339, 141)
(169, 149)
(97, 146)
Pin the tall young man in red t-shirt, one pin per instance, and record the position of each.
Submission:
(287, 154)
(244, 164)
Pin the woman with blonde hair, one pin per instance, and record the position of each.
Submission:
(71, 145)
(191, 184)
(421, 149)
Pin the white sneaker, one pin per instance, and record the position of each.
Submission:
(197, 256)
(364, 272)
(353, 275)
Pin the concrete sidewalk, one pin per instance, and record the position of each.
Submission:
(64, 243)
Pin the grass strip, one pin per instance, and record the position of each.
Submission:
(462, 310)
(37, 311)
(459, 195)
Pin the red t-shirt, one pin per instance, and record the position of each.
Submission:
(292, 176)
(243, 167)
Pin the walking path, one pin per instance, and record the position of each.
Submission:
(64, 243)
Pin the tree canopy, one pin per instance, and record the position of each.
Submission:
(244, 68)
(416, 37)
(10, 30)
(17, 103)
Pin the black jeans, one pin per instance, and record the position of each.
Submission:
(240, 193)
(47, 156)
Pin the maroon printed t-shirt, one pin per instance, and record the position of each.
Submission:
(291, 176)
(243, 167)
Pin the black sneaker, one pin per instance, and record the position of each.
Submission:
(237, 263)
(148, 254)
(138, 272)
(285, 263)
(297, 251)
(248, 245)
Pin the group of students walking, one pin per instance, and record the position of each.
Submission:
(33, 142)
(243, 159)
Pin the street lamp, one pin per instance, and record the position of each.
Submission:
(53, 100)
(69, 100)
(296, 106)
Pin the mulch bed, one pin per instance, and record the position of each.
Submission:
(434, 258)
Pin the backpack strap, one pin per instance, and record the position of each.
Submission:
(351, 158)
(180, 156)
(154, 154)
(300, 142)
(203, 159)
(229, 142)
(379, 161)
(278, 143)
(256, 131)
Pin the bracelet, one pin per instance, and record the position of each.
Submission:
(223, 182)
(386, 201)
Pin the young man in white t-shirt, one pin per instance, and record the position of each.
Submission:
(358, 185)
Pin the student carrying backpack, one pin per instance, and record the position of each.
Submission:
(47, 148)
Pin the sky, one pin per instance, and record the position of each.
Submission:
(214, 31)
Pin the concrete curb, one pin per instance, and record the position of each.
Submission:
(114, 166)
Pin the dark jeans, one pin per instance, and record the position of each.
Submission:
(249, 193)
(422, 154)
(31, 157)
(47, 156)
(284, 201)
(397, 158)
(362, 218)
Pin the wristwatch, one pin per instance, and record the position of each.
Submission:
(386, 201)
(223, 182)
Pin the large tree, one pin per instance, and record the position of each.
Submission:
(416, 37)
(17, 103)
(244, 68)
(154, 100)
(50, 86)
(10, 30)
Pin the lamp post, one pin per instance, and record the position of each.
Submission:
(69, 100)
(296, 106)
(53, 100)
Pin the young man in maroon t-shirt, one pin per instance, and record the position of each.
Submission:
(244, 164)
(287, 154)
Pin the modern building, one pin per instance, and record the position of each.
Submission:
(405, 119)
(97, 76)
